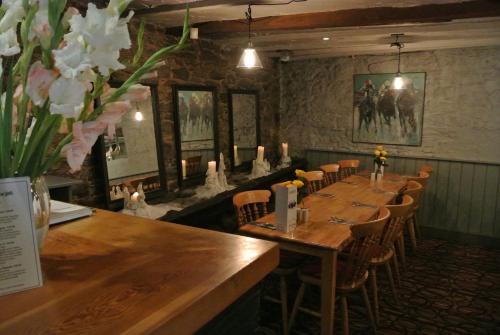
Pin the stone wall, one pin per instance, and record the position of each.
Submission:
(461, 112)
(202, 63)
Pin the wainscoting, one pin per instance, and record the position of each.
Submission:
(462, 197)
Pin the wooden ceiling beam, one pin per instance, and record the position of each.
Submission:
(357, 17)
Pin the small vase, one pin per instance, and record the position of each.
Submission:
(41, 209)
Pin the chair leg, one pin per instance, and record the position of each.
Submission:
(417, 226)
(345, 314)
(368, 308)
(411, 232)
(373, 280)
(391, 282)
(296, 305)
(396, 270)
(284, 304)
(402, 251)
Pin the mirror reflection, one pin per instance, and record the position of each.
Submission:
(244, 125)
(132, 153)
(195, 129)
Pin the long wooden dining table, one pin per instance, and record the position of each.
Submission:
(332, 210)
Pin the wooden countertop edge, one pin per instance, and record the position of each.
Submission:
(202, 311)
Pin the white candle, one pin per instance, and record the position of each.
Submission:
(212, 167)
(260, 153)
(135, 197)
(236, 158)
(284, 149)
(184, 171)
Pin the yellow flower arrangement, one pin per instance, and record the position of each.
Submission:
(299, 173)
(380, 156)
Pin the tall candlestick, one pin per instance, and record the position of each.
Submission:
(284, 149)
(212, 167)
(260, 153)
(184, 170)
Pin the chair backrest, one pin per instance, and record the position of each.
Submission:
(422, 178)
(348, 167)
(331, 172)
(314, 181)
(414, 189)
(251, 205)
(426, 168)
(366, 236)
(193, 165)
(394, 225)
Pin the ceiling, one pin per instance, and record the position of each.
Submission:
(353, 26)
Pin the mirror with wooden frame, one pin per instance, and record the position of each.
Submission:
(195, 119)
(244, 127)
(134, 154)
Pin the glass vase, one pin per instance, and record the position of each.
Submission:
(41, 209)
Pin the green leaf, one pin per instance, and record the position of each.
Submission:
(140, 44)
(6, 127)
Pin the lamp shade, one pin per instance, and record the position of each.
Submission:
(250, 59)
(398, 82)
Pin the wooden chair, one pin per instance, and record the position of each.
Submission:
(422, 178)
(385, 250)
(250, 206)
(426, 168)
(414, 190)
(314, 181)
(331, 173)
(348, 167)
(352, 269)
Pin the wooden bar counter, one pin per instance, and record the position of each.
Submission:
(118, 274)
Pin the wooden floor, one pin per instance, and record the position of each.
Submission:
(448, 288)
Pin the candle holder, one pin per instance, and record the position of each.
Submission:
(135, 204)
(285, 162)
(260, 168)
(215, 182)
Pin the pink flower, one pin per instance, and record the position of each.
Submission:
(39, 81)
(112, 114)
(84, 137)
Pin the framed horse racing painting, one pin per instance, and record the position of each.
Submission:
(385, 115)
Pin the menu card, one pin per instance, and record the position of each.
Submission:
(286, 208)
(19, 260)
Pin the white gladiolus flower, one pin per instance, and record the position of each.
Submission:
(14, 13)
(40, 27)
(72, 60)
(8, 43)
(66, 97)
(40, 80)
(104, 35)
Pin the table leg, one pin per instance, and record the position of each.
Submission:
(328, 277)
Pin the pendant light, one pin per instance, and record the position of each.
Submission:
(249, 59)
(398, 82)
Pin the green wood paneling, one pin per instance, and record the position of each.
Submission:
(490, 204)
(461, 196)
(464, 199)
(477, 201)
